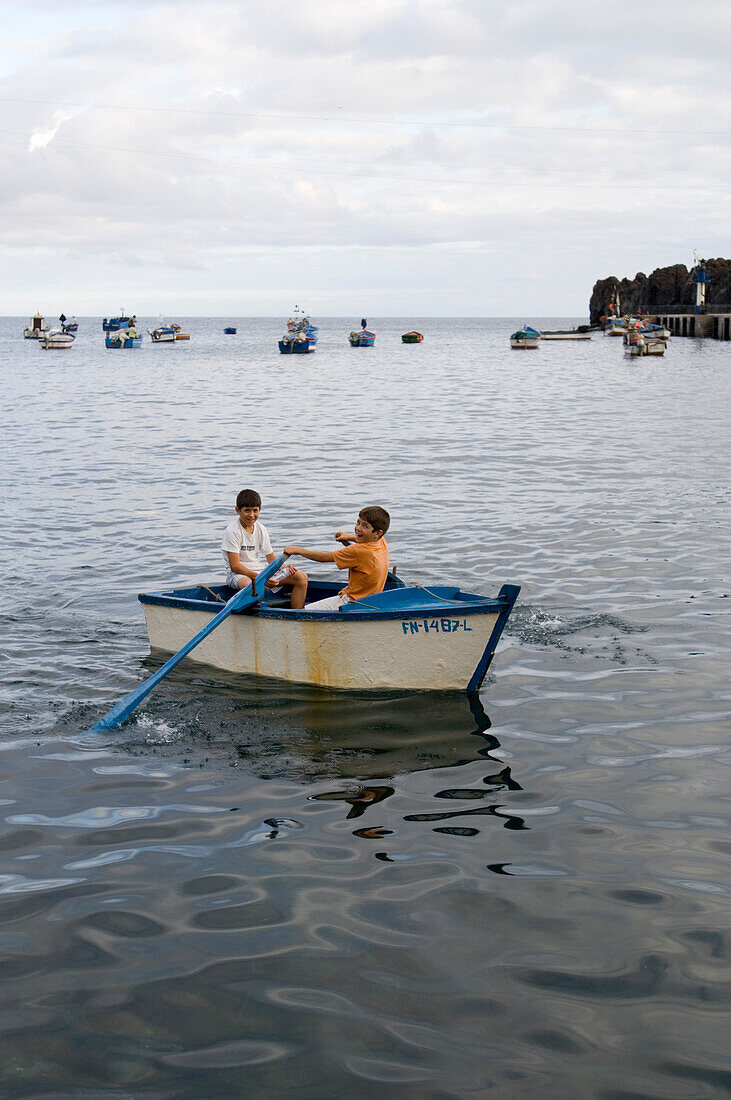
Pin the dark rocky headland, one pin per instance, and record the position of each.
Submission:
(666, 290)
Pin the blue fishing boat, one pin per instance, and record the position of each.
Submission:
(436, 638)
(230, 330)
(301, 335)
(363, 339)
(124, 338)
(296, 345)
(300, 322)
(114, 324)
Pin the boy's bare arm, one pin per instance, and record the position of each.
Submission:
(344, 537)
(313, 555)
(236, 567)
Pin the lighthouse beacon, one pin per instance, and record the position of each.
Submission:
(701, 278)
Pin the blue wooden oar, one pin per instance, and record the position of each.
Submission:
(246, 597)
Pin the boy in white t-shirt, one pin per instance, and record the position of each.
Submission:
(247, 550)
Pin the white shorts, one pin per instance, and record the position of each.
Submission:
(332, 603)
(232, 579)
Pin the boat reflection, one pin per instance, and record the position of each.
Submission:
(282, 730)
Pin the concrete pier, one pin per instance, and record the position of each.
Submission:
(716, 326)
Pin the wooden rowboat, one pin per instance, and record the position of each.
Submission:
(422, 639)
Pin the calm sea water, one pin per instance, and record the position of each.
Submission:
(257, 889)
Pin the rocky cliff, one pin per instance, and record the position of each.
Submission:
(666, 290)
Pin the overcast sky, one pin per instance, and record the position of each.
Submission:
(358, 157)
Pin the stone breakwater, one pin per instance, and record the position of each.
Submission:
(666, 290)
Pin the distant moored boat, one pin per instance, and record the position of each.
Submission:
(301, 335)
(56, 338)
(124, 338)
(163, 334)
(36, 328)
(581, 332)
(363, 339)
(296, 345)
(114, 324)
(412, 337)
(525, 337)
(641, 346)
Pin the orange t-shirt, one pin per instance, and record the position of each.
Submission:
(367, 565)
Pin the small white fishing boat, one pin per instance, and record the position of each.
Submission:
(422, 639)
(36, 328)
(525, 337)
(56, 338)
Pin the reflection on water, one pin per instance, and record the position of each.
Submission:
(279, 729)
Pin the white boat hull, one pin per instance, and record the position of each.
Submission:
(647, 347)
(56, 341)
(431, 654)
(531, 342)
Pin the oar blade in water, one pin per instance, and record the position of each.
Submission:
(247, 597)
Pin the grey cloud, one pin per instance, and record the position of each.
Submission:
(524, 135)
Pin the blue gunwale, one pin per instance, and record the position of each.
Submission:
(408, 605)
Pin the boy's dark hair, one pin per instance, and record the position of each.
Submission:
(378, 517)
(248, 498)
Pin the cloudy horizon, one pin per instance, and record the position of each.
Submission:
(395, 157)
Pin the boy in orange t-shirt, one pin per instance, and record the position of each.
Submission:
(366, 560)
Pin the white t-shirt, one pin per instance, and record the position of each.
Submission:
(252, 547)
